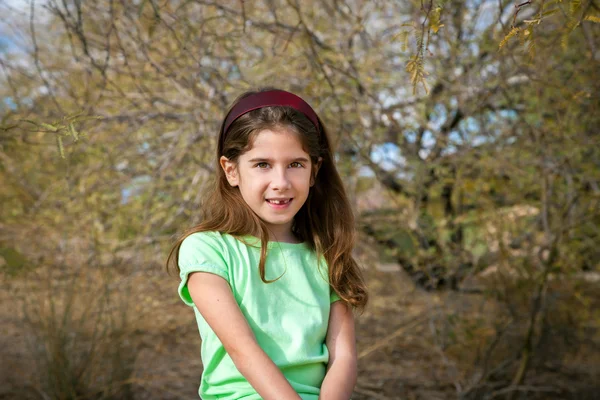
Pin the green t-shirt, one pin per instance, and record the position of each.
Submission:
(289, 317)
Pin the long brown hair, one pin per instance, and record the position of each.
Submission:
(325, 221)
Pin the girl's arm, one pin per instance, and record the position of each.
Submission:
(214, 300)
(341, 370)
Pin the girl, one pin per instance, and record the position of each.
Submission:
(269, 271)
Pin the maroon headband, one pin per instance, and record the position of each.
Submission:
(267, 99)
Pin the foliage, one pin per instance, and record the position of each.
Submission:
(572, 14)
(487, 177)
(80, 335)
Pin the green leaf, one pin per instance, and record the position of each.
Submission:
(542, 16)
(61, 148)
(592, 18)
(435, 19)
(514, 31)
(403, 38)
(550, 12)
(74, 132)
(73, 117)
(30, 122)
(48, 126)
(575, 6)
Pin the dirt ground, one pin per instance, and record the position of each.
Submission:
(397, 354)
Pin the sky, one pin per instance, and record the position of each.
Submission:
(14, 18)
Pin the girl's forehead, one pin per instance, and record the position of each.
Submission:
(276, 140)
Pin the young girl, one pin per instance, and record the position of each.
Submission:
(269, 271)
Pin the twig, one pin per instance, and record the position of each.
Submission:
(518, 8)
(387, 339)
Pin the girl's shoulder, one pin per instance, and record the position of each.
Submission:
(209, 238)
(218, 241)
(206, 247)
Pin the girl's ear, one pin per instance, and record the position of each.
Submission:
(316, 168)
(230, 169)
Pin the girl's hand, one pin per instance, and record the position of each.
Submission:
(213, 298)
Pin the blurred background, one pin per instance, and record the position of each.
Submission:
(466, 133)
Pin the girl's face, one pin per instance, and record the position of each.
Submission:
(274, 178)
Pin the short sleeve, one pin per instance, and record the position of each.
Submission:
(333, 296)
(201, 252)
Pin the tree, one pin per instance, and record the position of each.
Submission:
(475, 121)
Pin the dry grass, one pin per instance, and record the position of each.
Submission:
(133, 339)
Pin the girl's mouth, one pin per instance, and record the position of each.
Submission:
(279, 203)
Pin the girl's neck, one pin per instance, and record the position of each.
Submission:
(287, 237)
(282, 233)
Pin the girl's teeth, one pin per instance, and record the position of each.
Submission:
(279, 201)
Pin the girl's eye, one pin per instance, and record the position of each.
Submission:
(262, 165)
(296, 164)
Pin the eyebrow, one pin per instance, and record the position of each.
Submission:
(299, 159)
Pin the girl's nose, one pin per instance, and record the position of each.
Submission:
(280, 179)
